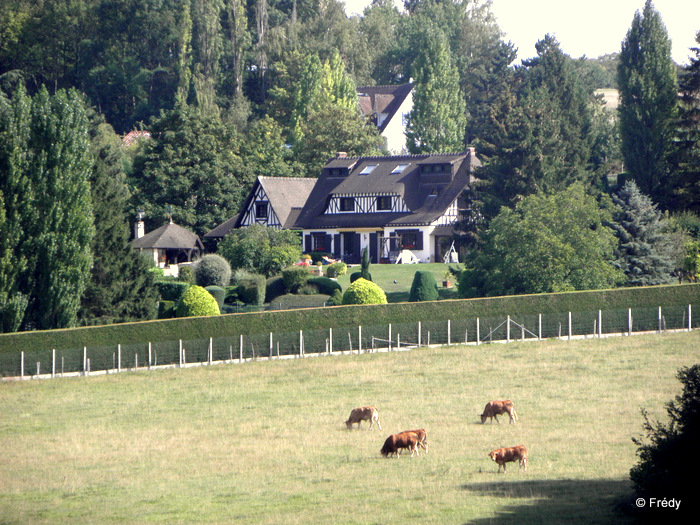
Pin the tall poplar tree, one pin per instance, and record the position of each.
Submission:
(648, 103)
(48, 216)
(437, 122)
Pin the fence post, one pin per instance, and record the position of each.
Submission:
(240, 349)
(21, 365)
(119, 358)
(211, 349)
(569, 326)
(659, 319)
(359, 339)
(508, 329)
(180, 351)
(419, 334)
(539, 327)
(271, 345)
(149, 355)
(53, 363)
(449, 330)
(600, 324)
(629, 321)
(84, 359)
(478, 335)
(690, 316)
(330, 340)
(389, 337)
(301, 343)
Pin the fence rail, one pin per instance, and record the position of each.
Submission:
(49, 363)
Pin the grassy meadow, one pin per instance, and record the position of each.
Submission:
(265, 442)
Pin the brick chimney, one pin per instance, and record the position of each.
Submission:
(341, 155)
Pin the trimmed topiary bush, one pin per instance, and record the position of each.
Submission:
(212, 270)
(218, 293)
(251, 289)
(336, 298)
(185, 274)
(294, 278)
(197, 302)
(166, 309)
(424, 287)
(171, 290)
(363, 291)
(325, 285)
(274, 288)
(336, 269)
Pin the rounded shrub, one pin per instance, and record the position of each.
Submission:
(185, 274)
(197, 302)
(363, 291)
(294, 278)
(212, 270)
(325, 285)
(424, 287)
(218, 293)
(336, 269)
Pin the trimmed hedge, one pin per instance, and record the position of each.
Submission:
(171, 290)
(325, 285)
(324, 318)
(218, 293)
(251, 289)
(196, 302)
(424, 287)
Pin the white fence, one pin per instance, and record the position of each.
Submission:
(30, 364)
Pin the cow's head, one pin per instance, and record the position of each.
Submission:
(493, 455)
(483, 418)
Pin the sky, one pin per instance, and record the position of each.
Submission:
(591, 28)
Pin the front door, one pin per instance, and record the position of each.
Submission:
(351, 248)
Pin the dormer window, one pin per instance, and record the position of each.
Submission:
(384, 203)
(434, 168)
(399, 169)
(368, 169)
(337, 172)
(347, 204)
(261, 210)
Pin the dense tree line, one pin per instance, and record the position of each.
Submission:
(234, 89)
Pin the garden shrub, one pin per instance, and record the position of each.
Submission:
(363, 291)
(424, 287)
(251, 289)
(166, 309)
(171, 290)
(325, 285)
(274, 288)
(336, 298)
(197, 302)
(217, 293)
(336, 269)
(231, 294)
(185, 274)
(212, 270)
(294, 278)
(308, 289)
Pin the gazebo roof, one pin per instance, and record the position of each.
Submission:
(169, 236)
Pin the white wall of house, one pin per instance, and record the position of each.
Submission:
(395, 132)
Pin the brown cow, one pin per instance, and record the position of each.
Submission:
(396, 442)
(363, 414)
(422, 438)
(494, 408)
(505, 455)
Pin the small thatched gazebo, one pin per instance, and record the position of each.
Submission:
(168, 245)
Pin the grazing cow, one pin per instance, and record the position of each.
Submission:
(494, 408)
(363, 414)
(396, 442)
(422, 438)
(505, 455)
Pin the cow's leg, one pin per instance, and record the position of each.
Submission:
(512, 419)
(378, 423)
(495, 416)
(370, 423)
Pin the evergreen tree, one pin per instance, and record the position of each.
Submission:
(648, 104)
(686, 168)
(437, 122)
(121, 287)
(645, 250)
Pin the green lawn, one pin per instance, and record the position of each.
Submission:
(264, 442)
(384, 276)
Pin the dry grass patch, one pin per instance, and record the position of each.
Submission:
(266, 442)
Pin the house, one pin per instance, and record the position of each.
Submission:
(273, 201)
(167, 246)
(386, 204)
(387, 107)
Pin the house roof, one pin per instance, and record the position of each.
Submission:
(382, 99)
(169, 236)
(426, 196)
(134, 136)
(286, 195)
